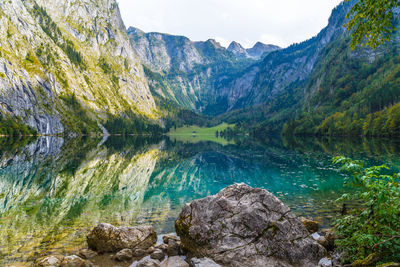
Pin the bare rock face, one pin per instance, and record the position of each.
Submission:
(244, 226)
(107, 238)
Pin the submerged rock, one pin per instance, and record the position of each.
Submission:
(49, 261)
(62, 261)
(75, 261)
(243, 226)
(312, 226)
(124, 255)
(87, 253)
(203, 262)
(107, 238)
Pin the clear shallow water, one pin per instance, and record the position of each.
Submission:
(53, 190)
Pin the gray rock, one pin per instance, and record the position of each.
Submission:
(163, 247)
(157, 254)
(166, 238)
(203, 262)
(173, 247)
(148, 263)
(243, 226)
(75, 261)
(325, 262)
(175, 261)
(107, 238)
(315, 236)
(124, 255)
(139, 253)
(49, 261)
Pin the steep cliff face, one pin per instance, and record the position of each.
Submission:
(182, 70)
(66, 65)
(261, 82)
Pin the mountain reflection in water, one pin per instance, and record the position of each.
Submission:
(53, 190)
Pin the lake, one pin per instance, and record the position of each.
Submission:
(52, 190)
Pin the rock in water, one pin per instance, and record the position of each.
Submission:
(75, 261)
(244, 226)
(107, 238)
(53, 260)
(312, 226)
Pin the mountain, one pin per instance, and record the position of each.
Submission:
(259, 49)
(66, 66)
(181, 70)
(238, 50)
(261, 83)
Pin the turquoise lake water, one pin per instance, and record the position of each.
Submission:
(53, 190)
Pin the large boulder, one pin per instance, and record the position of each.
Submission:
(244, 226)
(107, 238)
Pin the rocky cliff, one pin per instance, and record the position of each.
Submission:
(182, 70)
(261, 82)
(258, 51)
(68, 65)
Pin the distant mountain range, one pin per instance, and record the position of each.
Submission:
(258, 51)
(72, 67)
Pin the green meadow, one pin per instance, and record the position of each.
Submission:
(194, 134)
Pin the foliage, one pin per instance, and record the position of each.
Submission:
(375, 227)
(54, 32)
(372, 22)
(354, 97)
(13, 126)
(132, 124)
(77, 119)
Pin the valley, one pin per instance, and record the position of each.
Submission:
(102, 122)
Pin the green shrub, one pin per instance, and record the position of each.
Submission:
(374, 228)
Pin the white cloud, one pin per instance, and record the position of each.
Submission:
(280, 22)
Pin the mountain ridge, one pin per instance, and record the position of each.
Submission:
(61, 66)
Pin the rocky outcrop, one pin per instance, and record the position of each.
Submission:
(263, 81)
(256, 52)
(107, 238)
(238, 50)
(259, 50)
(53, 50)
(243, 226)
(182, 70)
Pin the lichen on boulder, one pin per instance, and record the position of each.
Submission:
(244, 226)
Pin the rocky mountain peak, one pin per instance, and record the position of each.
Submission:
(237, 49)
(258, 50)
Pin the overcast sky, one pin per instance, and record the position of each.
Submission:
(279, 22)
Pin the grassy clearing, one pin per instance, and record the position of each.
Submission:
(194, 134)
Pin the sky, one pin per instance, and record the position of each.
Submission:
(278, 22)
